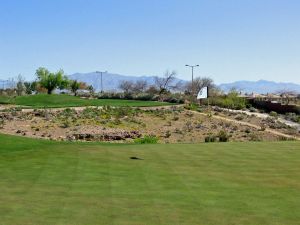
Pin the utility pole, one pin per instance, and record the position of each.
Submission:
(192, 66)
(101, 79)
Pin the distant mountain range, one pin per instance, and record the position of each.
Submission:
(112, 81)
(261, 87)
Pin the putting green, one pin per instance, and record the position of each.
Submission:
(43, 182)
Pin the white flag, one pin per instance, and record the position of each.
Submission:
(203, 93)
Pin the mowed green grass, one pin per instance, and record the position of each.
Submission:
(55, 101)
(5, 99)
(43, 182)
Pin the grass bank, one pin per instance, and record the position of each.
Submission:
(57, 101)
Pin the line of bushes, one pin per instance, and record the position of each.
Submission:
(221, 137)
(230, 101)
(171, 98)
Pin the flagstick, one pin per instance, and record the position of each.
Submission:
(208, 100)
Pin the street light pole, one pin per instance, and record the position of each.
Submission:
(101, 73)
(192, 66)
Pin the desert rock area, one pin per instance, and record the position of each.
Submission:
(173, 124)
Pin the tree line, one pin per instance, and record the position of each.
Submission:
(162, 89)
(167, 84)
(47, 82)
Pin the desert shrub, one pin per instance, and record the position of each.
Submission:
(67, 113)
(178, 131)
(168, 134)
(123, 111)
(189, 114)
(66, 123)
(209, 115)
(239, 117)
(274, 114)
(223, 136)
(188, 126)
(148, 139)
(247, 130)
(292, 131)
(252, 109)
(269, 120)
(90, 113)
(282, 138)
(159, 113)
(255, 137)
(262, 127)
(169, 123)
(1, 123)
(292, 117)
(191, 106)
(210, 138)
(117, 121)
(175, 118)
(235, 128)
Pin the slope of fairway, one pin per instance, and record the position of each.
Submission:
(5, 99)
(43, 182)
(55, 101)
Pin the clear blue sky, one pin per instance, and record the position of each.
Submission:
(229, 39)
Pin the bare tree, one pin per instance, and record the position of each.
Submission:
(179, 86)
(20, 88)
(126, 86)
(30, 87)
(140, 86)
(152, 89)
(198, 84)
(164, 84)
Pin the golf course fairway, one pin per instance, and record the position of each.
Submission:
(45, 182)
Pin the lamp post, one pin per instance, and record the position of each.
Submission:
(192, 66)
(101, 73)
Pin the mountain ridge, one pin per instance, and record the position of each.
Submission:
(261, 86)
(111, 82)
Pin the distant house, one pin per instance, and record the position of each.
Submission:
(83, 93)
(61, 91)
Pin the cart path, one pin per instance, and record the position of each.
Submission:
(250, 125)
(265, 115)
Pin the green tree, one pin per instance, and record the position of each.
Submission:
(49, 80)
(75, 85)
